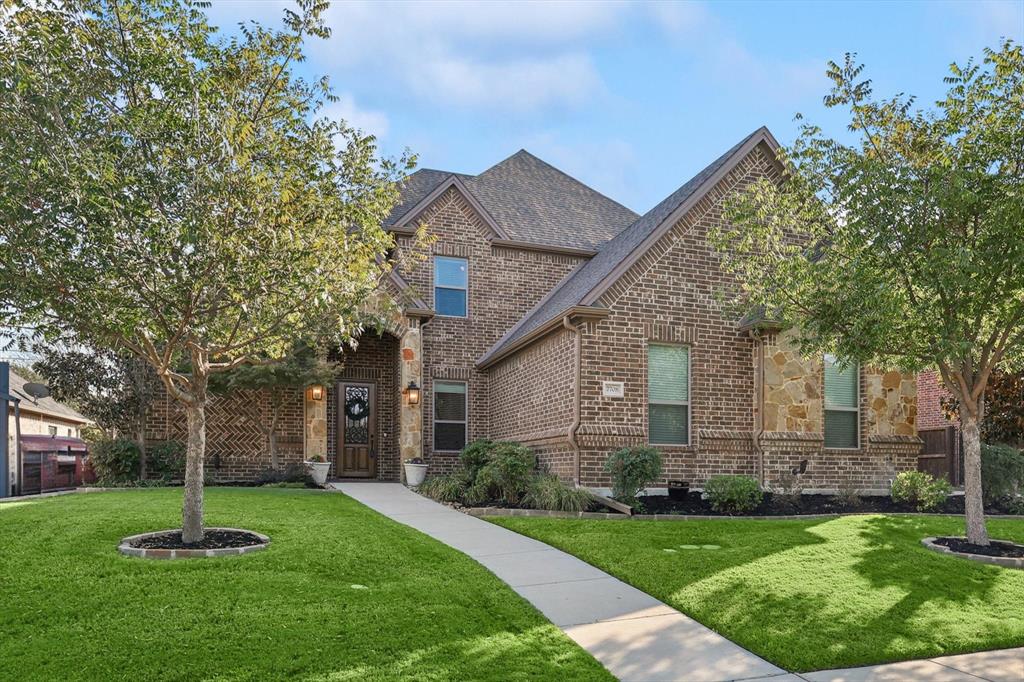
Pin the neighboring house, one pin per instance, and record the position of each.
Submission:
(43, 417)
(547, 313)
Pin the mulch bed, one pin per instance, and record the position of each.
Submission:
(776, 505)
(212, 539)
(997, 548)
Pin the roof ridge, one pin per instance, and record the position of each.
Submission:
(564, 174)
(608, 265)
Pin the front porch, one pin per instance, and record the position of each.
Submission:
(368, 422)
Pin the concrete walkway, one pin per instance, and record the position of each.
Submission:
(635, 636)
(631, 633)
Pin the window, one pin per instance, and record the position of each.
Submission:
(450, 285)
(842, 397)
(449, 415)
(668, 394)
(52, 430)
(69, 433)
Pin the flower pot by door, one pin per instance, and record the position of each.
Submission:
(318, 470)
(415, 473)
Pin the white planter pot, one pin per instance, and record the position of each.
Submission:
(318, 470)
(415, 473)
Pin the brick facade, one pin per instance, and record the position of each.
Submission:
(669, 295)
(930, 394)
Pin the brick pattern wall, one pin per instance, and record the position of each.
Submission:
(504, 283)
(930, 393)
(235, 449)
(375, 360)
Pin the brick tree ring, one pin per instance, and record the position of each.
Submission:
(161, 544)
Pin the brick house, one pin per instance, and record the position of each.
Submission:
(546, 313)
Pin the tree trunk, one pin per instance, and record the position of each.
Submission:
(272, 438)
(974, 505)
(141, 436)
(192, 508)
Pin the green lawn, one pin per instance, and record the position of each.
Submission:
(809, 595)
(71, 607)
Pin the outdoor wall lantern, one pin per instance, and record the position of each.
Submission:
(316, 392)
(412, 393)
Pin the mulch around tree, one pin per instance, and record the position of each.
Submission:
(997, 548)
(212, 539)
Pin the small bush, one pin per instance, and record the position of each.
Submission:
(848, 496)
(921, 490)
(284, 484)
(132, 483)
(450, 488)
(475, 455)
(506, 474)
(632, 470)
(547, 491)
(294, 472)
(788, 491)
(114, 460)
(1002, 471)
(733, 494)
(166, 459)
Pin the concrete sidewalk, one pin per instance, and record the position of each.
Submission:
(631, 633)
(634, 635)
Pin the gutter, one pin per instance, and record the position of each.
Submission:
(577, 392)
(582, 311)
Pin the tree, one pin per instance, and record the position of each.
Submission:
(1004, 409)
(111, 388)
(179, 195)
(302, 367)
(905, 247)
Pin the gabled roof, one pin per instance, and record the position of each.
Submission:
(524, 200)
(587, 281)
(45, 406)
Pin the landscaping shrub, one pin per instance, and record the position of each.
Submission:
(1002, 471)
(114, 460)
(475, 455)
(733, 494)
(505, 476)
(920, 489)
(294, 472)
(166, 459)
(788, 490)
(547, 491)
(632, 470)
(848, 496)
(449, 488)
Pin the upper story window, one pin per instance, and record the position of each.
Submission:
(52, 430)
(449, 415)
(668, 394)
(842, 401)
(451, 283)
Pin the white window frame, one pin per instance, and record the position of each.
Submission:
(436, 421)
(689, 392)
(451, 288)
(825, 409)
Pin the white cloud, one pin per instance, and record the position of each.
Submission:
(367, 120)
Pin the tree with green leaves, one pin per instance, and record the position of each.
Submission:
(179, 194)
(111, 388)
(905, 246)
(303, 366)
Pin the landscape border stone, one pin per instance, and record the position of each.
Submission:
(1004, 561)
(143, 553)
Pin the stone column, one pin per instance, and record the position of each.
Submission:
(410, 423)
(315, 431)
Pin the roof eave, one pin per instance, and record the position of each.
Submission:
(578, 312)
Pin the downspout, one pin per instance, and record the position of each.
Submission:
(755, 334)
(577, 392)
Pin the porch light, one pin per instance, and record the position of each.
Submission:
(316, 392)
(412, 393)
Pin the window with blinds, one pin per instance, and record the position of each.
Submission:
(842, 401)
(668, 394)
(449, 415)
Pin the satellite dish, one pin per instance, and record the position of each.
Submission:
(37, 391)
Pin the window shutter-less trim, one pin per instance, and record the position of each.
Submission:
(668, 394)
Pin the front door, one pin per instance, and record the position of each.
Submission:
(357, 430)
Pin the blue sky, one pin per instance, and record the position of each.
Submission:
(631, 98)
